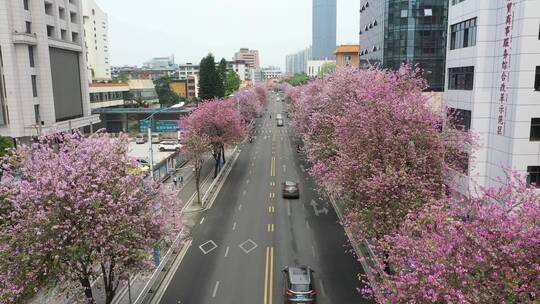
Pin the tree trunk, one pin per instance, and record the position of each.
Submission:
(217, 157)
(85, 282)
(198, 180)
(110, 282)
(223, 153)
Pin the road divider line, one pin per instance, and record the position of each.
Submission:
(307, 224)
(266, 267)
(270, 288)
(313, 250)
(227, 251)
(322, 288)
(202, 221)
(240, 207)
(234, 226)
(215, 289)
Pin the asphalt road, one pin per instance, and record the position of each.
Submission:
(241, 245)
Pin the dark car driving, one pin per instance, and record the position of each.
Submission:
(291, 190)
(299, 285)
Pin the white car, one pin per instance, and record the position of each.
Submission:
(169, 146)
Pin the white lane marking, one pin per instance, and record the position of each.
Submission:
(202, 220)
(307, 224)
(227, 251)
(234, 226)
(247, 182)
(322, 288)
(313, 250)
(240, 207)
(215, 289)
(288, 208)
(244, 193)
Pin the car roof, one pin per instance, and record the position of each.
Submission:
(299, 275)
(289, 183)
(168, 142)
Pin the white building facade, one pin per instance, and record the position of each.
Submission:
(493, 85)
(43, 76)
(251, 57)
(188, 69)
(313, 68)
(96, 41)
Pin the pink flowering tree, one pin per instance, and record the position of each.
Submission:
(76, 209)
(248, 103)
(221, 123)
(196, 147)
(262, 93)
(375, 143)
(483, 250)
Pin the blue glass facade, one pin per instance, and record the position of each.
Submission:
(396, 31)
(324, 28)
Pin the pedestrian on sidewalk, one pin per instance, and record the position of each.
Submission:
(175, 181)
(181, 181)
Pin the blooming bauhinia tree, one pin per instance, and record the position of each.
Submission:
(374, 141)
(482, 250)
(248, 103)
(76, 209)
(196, 147)
(220, 123)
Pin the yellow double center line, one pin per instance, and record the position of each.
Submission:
(273, 167)
(269, 275)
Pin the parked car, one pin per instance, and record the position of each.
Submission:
(279, 116)
(141, 139)
(291, 190)
(156, 138)
(280, 122)
(299, 285)
(169, 146)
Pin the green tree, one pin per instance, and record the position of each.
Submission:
(122, 77)
(5, 144)
(166, 97)
(221, 78)
(327, 68)
(298, 80)
(232, 83)
(207, 77)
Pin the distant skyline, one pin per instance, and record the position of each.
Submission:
(140, 30)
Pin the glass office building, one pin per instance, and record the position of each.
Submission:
(324, 29)
(396, 31)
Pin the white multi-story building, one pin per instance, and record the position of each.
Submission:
(43, 77)
(188, 69)
(251, 57)
(241, 68)
(267, 73)
(314, 67)
(493, 85)
(96, 41)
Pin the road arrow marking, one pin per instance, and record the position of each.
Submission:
(317, 210)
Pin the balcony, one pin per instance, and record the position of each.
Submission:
(24, 38)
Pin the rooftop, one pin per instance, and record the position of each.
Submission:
(347, 48)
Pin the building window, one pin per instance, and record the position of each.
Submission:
(454, 2)
(73, 17)
(31, 55)
(50, 31)
(428, 12)
(404, 13)
(62, 13)
(461, 78)
(36, 114)
(535, 129)
(75, 37)
(459, 119)
(63, 34)
(49, 9)
(28, 27)
(533, 178)
(34, 86)
(463, 34)
(537, 79)
(25, 4)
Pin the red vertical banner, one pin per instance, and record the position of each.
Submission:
(505, 66)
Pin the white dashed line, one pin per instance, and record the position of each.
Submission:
(215, 289)
(240, 207)
(227, 251)
(322, 288)
(202, 220)
(313, 250)
(307, 224)
(234, 226)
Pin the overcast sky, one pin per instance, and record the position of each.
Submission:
(189, 29)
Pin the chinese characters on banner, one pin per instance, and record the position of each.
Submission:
(505, 67)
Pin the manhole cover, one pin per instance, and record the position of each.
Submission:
(248, 246)
(208, 247)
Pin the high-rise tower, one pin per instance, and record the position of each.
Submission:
(324, 28)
